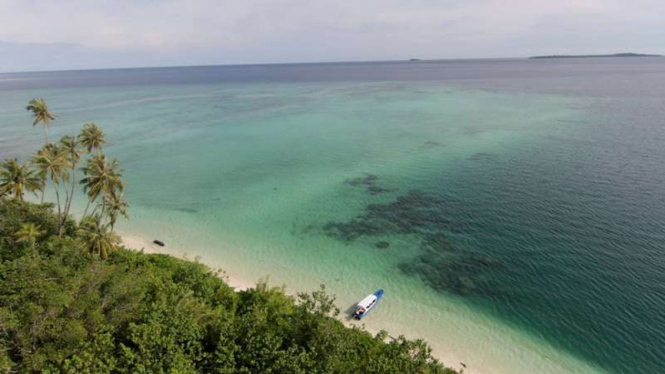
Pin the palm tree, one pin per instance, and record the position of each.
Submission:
(16, 178)
(92, 137)
(52, 164)
(41, 113)
(29, 232)
(114, 206)
(71, 146)
(97, 237)
(102, 178)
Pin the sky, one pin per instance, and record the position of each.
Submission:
(88, 34)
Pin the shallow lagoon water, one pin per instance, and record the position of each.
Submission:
(524, 214)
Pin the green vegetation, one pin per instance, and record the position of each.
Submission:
(73, 301)
(56, 164)
(40, 112)
(17, 178)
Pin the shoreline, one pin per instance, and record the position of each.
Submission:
(494, 349)
(137, 243)
(239, 283)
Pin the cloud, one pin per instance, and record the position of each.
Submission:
(107, 33)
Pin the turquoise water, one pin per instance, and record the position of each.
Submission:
(515, 222)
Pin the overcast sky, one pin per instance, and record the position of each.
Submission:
(79, 34)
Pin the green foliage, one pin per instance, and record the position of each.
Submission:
(13, 215)
(56, 164)
(29, 233)
(63, 311)
(103, 178)
(92, 137)
(53, 163)
(115, 205)
(97, 236)
(17, 178)
(41, 113)
(72, 148)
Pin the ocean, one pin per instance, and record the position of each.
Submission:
(512, 210)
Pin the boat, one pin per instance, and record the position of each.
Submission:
(367, 304)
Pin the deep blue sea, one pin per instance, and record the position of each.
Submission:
(514, 210)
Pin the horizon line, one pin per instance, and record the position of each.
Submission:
(409, 60)
(264, 64)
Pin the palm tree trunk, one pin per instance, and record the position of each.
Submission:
(46, 134)
(64, 185)
(86, 209)
(71, 197)
(94, 210)
(103, 208)
(63, 217)
(68, 204)
(57, 197)
(112, 220)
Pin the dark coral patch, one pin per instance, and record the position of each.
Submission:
(369, 182)
(412, 213)
(187, 210)
(438, 242)
(351, 230)
(366, 180)
(440, 263)
(382, 244)
(481, 156)
(458, 274)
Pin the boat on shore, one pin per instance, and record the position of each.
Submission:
(367, 304)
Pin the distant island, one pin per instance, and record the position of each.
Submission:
(592, 56)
